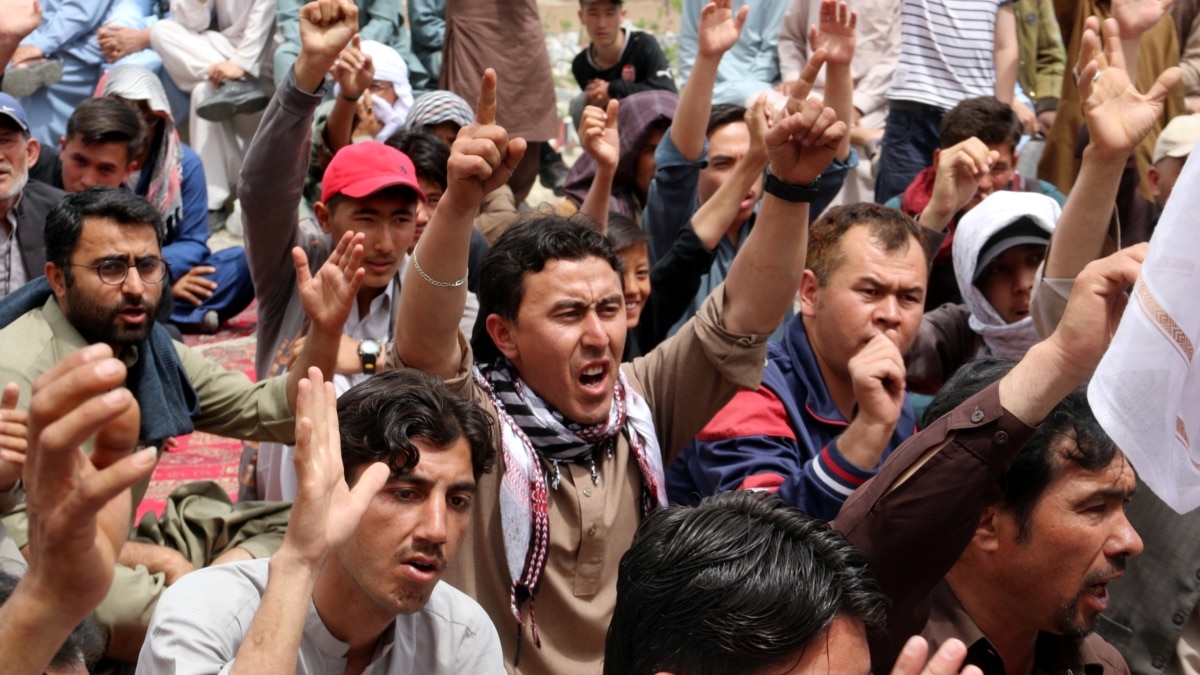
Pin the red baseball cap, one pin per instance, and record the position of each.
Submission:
(362, 169)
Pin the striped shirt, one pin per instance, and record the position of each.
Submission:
(946, 51)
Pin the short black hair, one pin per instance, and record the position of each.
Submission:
(84, 646)
(722, 114)
(380, 417)
(741, 584)
(428, 153)
(64, 223)
(985, 118)
(107, 120)
(527, 247)
(1070, 432)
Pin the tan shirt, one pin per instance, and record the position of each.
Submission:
(686, 380)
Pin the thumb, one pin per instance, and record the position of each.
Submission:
(368, 485)
(614, 107)
(1164, 84)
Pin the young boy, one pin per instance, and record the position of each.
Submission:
(621, 60)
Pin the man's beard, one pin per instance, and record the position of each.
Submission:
(18, 179)
(1068, 621)
(97, 323)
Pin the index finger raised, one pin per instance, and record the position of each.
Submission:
(485, 108)
(808, 76)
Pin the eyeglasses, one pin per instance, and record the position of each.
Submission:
(114, 272)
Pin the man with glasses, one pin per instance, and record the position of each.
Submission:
(102, 284)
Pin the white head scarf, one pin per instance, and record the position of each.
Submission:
(389, 67)
(997, 211)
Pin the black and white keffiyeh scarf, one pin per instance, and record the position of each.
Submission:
(532, 430)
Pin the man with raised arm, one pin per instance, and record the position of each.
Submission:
(386, 477)
(584, 439)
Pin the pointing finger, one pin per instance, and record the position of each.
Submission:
(485, 109)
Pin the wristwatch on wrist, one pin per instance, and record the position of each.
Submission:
(368, 352)
(789, 192)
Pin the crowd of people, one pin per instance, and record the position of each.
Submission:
(791, 378)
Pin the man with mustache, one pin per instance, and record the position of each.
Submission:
(387, 476)
(23, 205)
(103, 281)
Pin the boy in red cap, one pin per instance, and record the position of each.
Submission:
(367, 187)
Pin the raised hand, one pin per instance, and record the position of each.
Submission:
(835, 33)
(719, 28)
(1118, 116)
(328, 296)
(960, 168)
(326, 27)
(598, 134)
(947, 661)
(13, 431)
(483, 157)
(78, 515)
(354, 70)
(1135, 17)
(18, 18)
(805, 134)
(326, 511)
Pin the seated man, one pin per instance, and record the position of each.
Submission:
(620, 60)
(220, 69)
(978, 156)
(832, 404)
(103, 274)
(105, 144)
(23, 203)
(125, 41)
(584, 438)
(779, 590)
(387, 478)
(368, 187)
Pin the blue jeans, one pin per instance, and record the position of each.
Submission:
(909, 138)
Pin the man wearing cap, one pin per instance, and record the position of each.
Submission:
(23, 204)
(1171, 151)
(368, 187)
(832, 403)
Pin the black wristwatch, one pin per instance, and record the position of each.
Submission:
(368, 352)
(790, 192)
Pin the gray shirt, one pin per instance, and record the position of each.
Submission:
(200, 621)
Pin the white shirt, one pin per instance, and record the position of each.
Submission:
(201, 620)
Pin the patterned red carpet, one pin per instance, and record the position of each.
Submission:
(202, 456)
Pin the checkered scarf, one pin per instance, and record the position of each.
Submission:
(531, 429)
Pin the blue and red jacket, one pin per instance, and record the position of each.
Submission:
(781, 438)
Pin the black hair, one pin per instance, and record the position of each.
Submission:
(64, 223)
(722, 114)
(380, 417)
(527, 247)
(741, 584)
(84, 646)
(1070, 432)
(983, 117)
(107, 120)
(624, 233)
(428, 153)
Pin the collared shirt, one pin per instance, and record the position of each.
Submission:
(377, 324)
(1053, 654)
(200, 623)
(13, 274)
